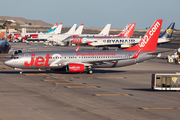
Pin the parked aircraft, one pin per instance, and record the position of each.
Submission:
(20, 36)
(79, 61)
(59, 39)
(85, 38)
(122, 42)
(46, 35)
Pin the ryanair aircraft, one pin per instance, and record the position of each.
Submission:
(123, 42)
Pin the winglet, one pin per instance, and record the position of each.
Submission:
(149, 41)
(77, 49)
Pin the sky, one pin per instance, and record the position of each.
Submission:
(96, 13)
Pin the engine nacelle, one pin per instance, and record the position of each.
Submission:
(75, 67)
(18, 51)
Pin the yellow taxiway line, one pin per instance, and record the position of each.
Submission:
(112, 94)
(159, 108)
(90, 77)
(56, 80)
(81, 86)
(69, 83)
(8, 68)
(38, 74)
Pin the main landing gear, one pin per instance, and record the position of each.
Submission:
(89, 70)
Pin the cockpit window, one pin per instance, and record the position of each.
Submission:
(14, 57)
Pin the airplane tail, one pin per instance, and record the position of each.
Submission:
(127, 31)
(52, 28)
(58, 29)
(79, 29)
(149, 41)
(106, 29)
(72, 29)
(168, 32)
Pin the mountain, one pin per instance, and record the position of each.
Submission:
(23, 21)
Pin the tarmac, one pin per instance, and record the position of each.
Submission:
(122, 93)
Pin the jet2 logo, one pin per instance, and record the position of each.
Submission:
(148, 36)
(40, 60)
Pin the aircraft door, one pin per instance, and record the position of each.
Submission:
(26, 58)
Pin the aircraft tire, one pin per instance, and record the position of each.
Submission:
(89, 72)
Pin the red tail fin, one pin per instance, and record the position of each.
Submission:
(128, 31)
(149, 41)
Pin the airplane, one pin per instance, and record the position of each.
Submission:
(20, 36)
(122, 42)
(60, 39)
(46, 35)
(79, 61)
(86, 39)
(57, 39)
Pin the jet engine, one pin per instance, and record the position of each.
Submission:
(75, 67)
(18, 51)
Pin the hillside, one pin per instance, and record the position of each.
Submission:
(23, 21)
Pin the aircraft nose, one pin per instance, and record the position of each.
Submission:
(7, 62)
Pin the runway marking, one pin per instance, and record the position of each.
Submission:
(90, 77)
(69, 83)
(38, 74)
(56, 80)
(82, 86)
(159, 108)
(112, 94)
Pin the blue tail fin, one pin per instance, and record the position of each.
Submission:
(168, 32)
